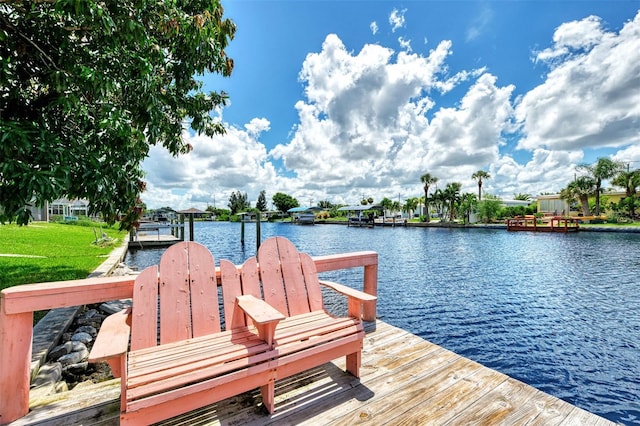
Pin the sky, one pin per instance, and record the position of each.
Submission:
(344, 100)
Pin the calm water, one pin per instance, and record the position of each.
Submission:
(559, 312)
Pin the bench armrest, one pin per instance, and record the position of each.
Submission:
(112, 341)
(355, 297)
(264, 316)
(349, 292)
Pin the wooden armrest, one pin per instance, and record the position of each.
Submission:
(258, 310)
(355, 297)
(264, 316)
(113, 339)
(349, 292)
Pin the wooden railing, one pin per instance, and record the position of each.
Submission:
(17, 305)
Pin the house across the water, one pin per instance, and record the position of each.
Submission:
(303, 215)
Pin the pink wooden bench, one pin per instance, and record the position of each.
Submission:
(308, 336)
(173, 355)
(179, 358)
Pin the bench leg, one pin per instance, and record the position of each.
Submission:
(353, 363)
(268, 395)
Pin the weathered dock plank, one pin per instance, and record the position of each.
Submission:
(405, 380)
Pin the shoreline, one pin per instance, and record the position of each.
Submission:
(583, 227)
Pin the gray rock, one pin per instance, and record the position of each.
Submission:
(92, 317)
(78, 346)
(82, 337)
(93, 322)
(110, 308)
(89, 313)
(61, 350)
(77, 369)
(73, 358)
(90, 330)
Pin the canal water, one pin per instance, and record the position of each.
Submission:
(559, 312)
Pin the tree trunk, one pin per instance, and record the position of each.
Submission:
(426, 203)
(584, 201)
(598, 185)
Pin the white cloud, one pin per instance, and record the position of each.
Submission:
(373, 26)
(573, 36)
(364, 126)
(396, 19)
(405, 44)
(547, 171)
(591, 96)
(214, 169)
(370, 123)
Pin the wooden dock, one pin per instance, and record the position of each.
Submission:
(557, 224)
(156, 235)
(146, 241)
(406, 380)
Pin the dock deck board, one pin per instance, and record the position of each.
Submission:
(405, 380)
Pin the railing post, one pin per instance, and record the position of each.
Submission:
(16, 333)
(370, 286)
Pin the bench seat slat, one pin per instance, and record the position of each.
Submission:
(157, 366)
(182, 375)
(213, 344)
(300, 351)
(320, 340)
(160, 367)
(299, 331)
(222, 385)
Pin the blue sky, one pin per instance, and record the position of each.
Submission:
(333, 100)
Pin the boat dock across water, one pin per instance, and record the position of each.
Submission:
(560, 224)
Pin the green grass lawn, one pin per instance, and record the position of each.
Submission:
(61, 252)
(611, 225)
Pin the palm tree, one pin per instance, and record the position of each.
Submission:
(439, 201)
(410, 205)
(522, 197)
(468, 203)
(396, 207)
(629, 180)
(479, 175)
(603, 169)
(452, 197)
(580, 189)
(386, 205)
(427, 180)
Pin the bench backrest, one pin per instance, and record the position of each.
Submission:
(177, 299)
(280, 275)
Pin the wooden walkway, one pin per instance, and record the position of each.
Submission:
(146, 241)
(406, 380)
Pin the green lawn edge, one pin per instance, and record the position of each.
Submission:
(47, 252)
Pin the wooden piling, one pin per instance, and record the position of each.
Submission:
(257, 231)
